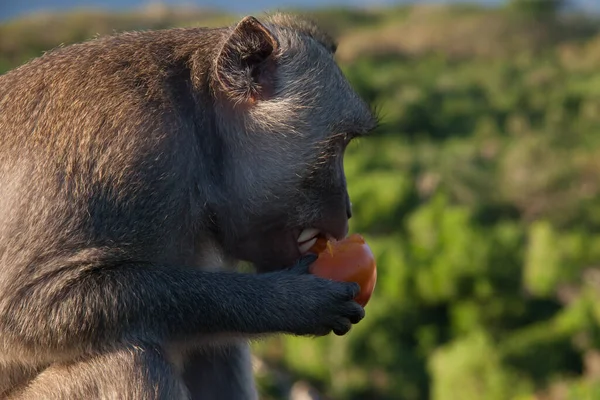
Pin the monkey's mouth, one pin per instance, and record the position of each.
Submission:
(285, 251)
(307, 239)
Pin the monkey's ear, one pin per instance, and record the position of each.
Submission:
(244, 68)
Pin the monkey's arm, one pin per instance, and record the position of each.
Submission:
(88, 307)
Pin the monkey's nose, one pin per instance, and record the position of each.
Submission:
(349, 210)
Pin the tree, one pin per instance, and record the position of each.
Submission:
(537, 8)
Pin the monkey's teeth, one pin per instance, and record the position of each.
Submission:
(307, 234)
(304, 247)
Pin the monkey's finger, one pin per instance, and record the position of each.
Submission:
(308, 259)
(353, 289)
(342, 326)
(355, 312)
(301, 266)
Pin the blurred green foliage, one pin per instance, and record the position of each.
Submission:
(479, 194)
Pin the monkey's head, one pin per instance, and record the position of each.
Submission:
(285, 114)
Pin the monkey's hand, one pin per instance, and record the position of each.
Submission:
(310, 305)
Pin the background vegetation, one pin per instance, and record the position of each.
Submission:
(479, 195)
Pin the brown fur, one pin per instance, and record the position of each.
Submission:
(133, 168)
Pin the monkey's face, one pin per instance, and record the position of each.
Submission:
(287, 114)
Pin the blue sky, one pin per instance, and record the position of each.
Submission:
(12, 8)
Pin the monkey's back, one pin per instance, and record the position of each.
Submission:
(94, 139)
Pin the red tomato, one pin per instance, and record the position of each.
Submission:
(347, 260)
